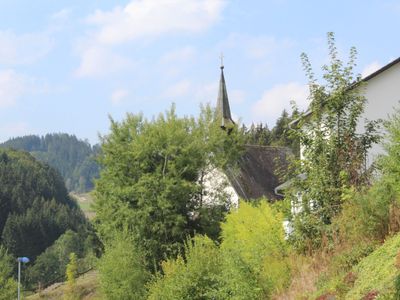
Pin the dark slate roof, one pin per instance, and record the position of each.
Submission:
(223, 103)
(258, 172)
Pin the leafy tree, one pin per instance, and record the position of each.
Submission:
(50, 266)
(255, 252)
(333, 151)
(251, 262)
(8, 286)
(279, 135)
(71, 274)
(152, 182)
(122, 270)
(198, 276)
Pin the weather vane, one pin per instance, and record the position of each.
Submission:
(222, 60)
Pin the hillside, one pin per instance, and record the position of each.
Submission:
(73, 158)
(86, 285)
(376, 273)
(33, 196)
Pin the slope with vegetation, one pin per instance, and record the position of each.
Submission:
(73, 158)
(38, 219)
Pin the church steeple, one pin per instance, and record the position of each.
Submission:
(223, 109)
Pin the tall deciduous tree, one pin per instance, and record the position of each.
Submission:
(334, 152)
(152, 183)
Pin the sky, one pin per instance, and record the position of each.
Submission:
(68, 66)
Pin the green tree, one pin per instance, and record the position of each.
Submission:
(71, 273)
(8, 286)
(334, 153)
(251, 262)
(255, 252)
(198, 276)
(73, 158)
(50, 266)
(122, 270)
(152, 182)
(35, 206)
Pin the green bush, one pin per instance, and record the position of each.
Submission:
(255, 252)
(50, 266)
(196, 277)
(377, 271)
(121, 270)
(251, 262)
(8, 285)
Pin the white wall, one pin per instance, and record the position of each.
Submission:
(383, 96)
(216, 181)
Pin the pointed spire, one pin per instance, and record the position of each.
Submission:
(223, 108)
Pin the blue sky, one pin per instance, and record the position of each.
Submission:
(65, 66)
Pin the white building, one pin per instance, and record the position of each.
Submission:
(382, 92)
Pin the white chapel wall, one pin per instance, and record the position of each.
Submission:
(383, 96)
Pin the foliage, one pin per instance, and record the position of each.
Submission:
(251, 263)
(279, 135)
(333, 151)
(35, 206)
(255, 251)
(8, 286)
(196, 276)
(122, 270)
(73, 158)
(50, 266)
(377, 271)
(152, 182)
(71, 274)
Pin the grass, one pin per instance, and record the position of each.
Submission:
(85, 202)
(377, 271)
(86, 286)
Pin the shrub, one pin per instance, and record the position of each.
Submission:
(196, 277)
(255, 252)
(71, 274)
(121, 270)
(50, 266)
(8, 286)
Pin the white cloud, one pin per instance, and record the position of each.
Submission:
(371, 68)
(23, 49)
(12, 86)
(144, 18)
(98, 61)
(179, 55)
(118, 96)
(254, 47)
(273, 101)
(141, 19)
(62, 14)
(179, 89)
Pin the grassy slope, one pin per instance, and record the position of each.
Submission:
(87, 287)
(85, 203)
(377, 271)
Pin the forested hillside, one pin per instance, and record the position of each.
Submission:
(73, 158)
(39, 220)
(35, 208)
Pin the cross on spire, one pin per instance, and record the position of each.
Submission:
(223, 109)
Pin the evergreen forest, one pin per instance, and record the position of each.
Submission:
(74, 159)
